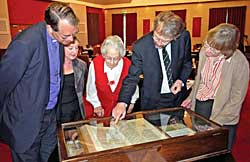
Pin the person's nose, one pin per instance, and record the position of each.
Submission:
(70, 38)
(75, 50)
(113, 61)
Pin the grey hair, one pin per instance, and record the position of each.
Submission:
(224, 37)
(169, 24)
(115, 42)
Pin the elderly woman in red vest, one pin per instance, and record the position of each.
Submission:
(106, 73)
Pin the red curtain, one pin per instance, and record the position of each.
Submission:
(237, 16)
(117, 25)
(217, 16)
(93, 28)
(146, 26)
(131, 30)
(26, 12)
(96, 25)
(196, 32)
(23, 14)
(181, 13)
(131, 27)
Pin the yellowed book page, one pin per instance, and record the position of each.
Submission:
(125, 133)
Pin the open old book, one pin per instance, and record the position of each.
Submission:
(177, 129)
(125, 133)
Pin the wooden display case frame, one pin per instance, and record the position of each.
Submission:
(201, 145)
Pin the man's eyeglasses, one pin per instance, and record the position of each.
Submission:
(64, 36)
(161, 40)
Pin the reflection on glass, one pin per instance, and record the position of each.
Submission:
(138, 128)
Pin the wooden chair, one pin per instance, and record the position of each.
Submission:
(247, 52)
(247, 49)
(85, 58)
(96, 50)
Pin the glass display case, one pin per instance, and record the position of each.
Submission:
(170, 134)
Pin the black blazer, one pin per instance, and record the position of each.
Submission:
(146, 61)
(24, 90)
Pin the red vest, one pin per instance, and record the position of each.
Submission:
(107, 98)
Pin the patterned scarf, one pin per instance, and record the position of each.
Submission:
(210, 75)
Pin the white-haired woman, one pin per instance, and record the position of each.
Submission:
(106, 73)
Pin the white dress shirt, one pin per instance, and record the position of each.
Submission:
(164, 87)
(113, 75)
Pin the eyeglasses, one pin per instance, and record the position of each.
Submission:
(63, 36)
(112, 59)
(161, 40)
(213, 50)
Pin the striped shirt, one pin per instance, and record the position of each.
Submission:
(210, 78)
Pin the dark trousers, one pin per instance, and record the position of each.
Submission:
(44, 143)
(167, 100)
(231, 135)
(54, 157)
(204, 108)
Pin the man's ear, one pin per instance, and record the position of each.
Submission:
(49, 29)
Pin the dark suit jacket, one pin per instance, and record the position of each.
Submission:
(146, 61)
(24, 90)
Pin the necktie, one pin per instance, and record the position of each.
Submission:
(167, 64)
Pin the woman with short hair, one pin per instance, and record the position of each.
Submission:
(106, 73)
(222, 79)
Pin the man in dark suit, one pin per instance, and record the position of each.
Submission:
(164, 85)
(31, 74)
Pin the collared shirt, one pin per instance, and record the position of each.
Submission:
(54, 64)
(164, 87)
(113, 78)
